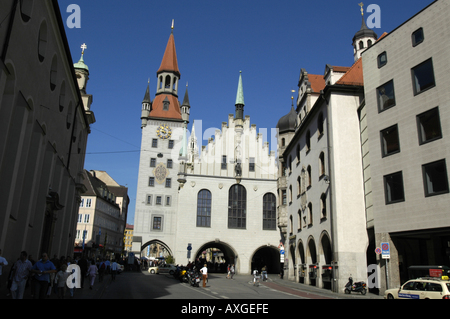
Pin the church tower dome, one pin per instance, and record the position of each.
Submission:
(363, 39)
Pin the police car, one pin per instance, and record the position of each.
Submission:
(421, 288)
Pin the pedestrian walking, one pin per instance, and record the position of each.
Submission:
(232, 271)
(19, 276)
(42, 270)
(92, 271)
(3, 262)
(114, 268)
(60, 281)
(204, 272)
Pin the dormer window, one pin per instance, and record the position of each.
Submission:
(166, 104)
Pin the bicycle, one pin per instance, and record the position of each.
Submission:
(256, 278)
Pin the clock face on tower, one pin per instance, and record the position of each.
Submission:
(164, 131)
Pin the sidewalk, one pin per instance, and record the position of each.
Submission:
(274, 280)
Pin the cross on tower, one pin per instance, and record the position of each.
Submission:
(83, 47)
(362, 10)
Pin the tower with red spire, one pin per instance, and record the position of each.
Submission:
(163, 124)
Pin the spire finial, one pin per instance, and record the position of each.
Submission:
(173, 23)
(83, 47)
(362, 10)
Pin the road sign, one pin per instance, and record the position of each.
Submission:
(385, 252)
(378, 251)
(189, 247)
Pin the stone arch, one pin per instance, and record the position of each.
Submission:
(158, 242)
(230, 255)
(266, 255)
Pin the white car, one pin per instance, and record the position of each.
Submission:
(167, 269)
(421, 288)
(153, 270)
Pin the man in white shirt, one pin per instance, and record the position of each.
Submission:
(114, 268)
(204, 272)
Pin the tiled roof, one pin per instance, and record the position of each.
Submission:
(174, 107)
(317, 82)
(169, 61)
(354, 75)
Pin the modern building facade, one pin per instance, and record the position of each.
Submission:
(406, 117)
(43, 135)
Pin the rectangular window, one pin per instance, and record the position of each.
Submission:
(393, 188)
(153, 162)
(169, 163)
(435, 178)
(86, 218)
(168, 200)
(429, 126)
(423, 77)
(386, 96)
(82, 202)
(155, 143)
(151, 181)
(149, 199)
(168, 182)
(170, 143)
(157, 223)
(251, 164)
(158, 200)
(88, 202)
(390, 143)
(382, 59)
(80, 218)
(224, 162)
(417, 37)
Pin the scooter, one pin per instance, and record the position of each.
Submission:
(359, 286)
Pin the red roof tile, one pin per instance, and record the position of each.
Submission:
(354, 76)
(317, 82)
(169, 61)
(174, 107)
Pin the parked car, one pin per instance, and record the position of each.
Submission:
(153, 270)
(167, 269)
(120, 268)
(421, 288)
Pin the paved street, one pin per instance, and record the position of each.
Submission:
(142, 285)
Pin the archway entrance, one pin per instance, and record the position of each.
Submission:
(266, 256)
(155, 249)
(217, 256)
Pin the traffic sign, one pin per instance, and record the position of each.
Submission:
(378, 251)
(385, 251)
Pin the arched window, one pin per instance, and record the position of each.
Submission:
(237, 207)
(323, 206)
(320, 124)
(361, 45)
(269, 212)
(204, 208)
(298, 154)
(310, 214)
(308, 141)
(322, 164)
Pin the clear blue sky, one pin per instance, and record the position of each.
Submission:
(269, 41)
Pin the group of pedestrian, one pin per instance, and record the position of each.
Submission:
(47, 276)
(230, 271)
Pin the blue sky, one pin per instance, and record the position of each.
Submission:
(269, 41)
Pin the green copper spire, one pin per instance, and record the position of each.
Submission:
(240, 91)
(80, 64)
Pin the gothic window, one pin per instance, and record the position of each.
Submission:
(269, 212)
(320, 124)
(310, 214)
(204, 208)
(323, 206)
(237, 207)
(308, 141)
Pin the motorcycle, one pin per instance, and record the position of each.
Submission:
(359, 286)
(194, 278)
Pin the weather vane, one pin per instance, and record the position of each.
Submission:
(83, 47)
(362, 10)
